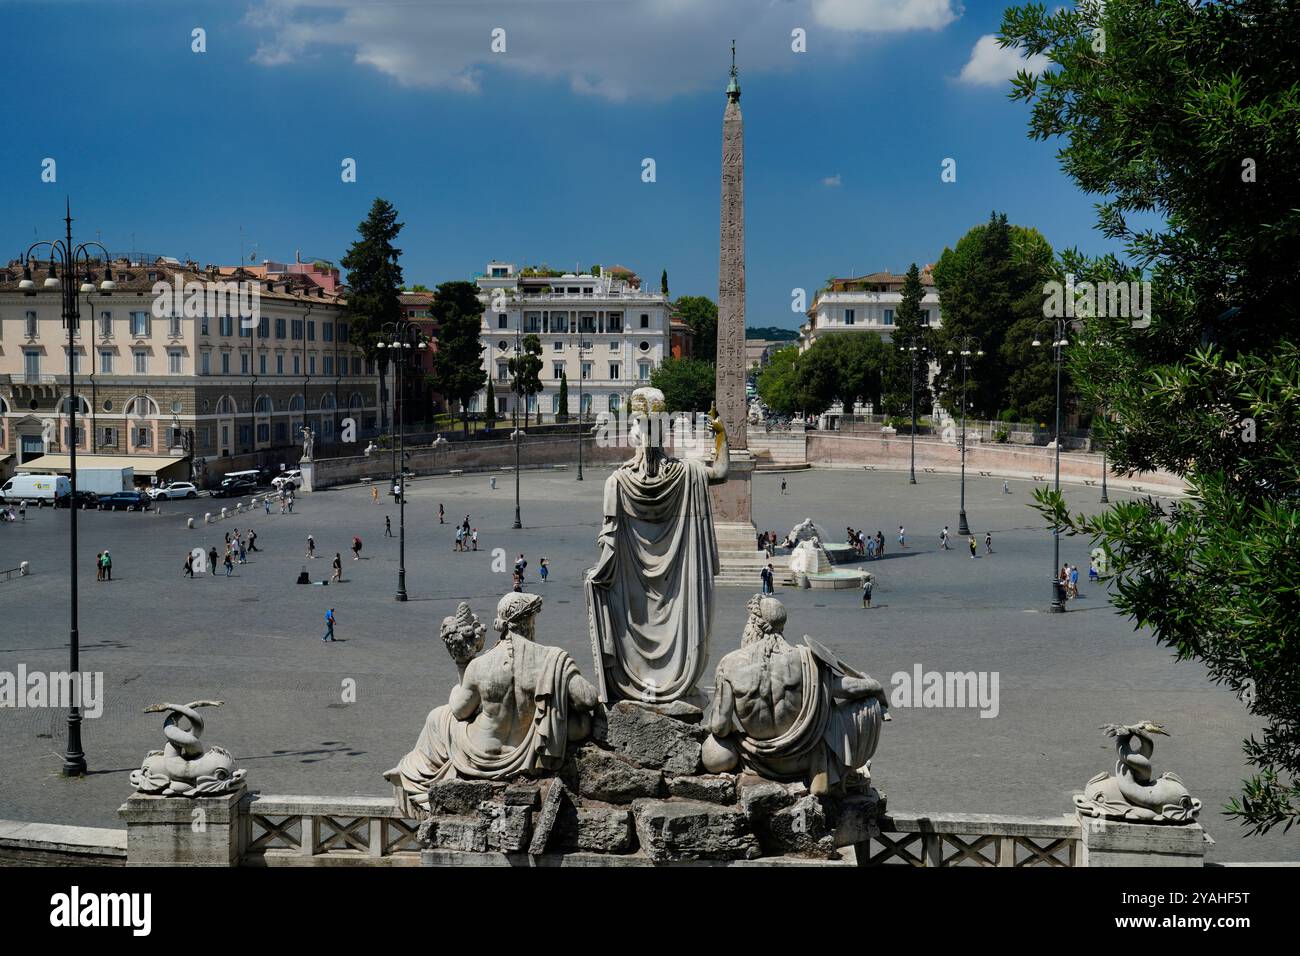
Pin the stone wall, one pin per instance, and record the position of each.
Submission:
(893, 452)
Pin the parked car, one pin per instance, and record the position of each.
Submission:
(125, 501)
(234, 489)
(175, 489)
(86, 499)
(287, 480)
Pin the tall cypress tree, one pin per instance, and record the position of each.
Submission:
(908, 331)
(458, 363)
(374, 281)
(562, 415)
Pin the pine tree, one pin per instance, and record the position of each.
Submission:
(374, 281)
(458, 363)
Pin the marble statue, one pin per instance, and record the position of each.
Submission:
(792, 713)
(308, 442)
(513, 712)
(650, 595)
(185, 768)
(1132, 792)
(805, 530)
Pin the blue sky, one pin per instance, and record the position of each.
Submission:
(530, 155)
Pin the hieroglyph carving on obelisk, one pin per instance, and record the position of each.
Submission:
(732, 406)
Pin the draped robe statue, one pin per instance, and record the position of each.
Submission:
(650, 595)
(788, 712)
(513, 712)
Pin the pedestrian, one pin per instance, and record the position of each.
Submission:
(988, 542)
(460, 540)
(1092, 570)
(291, 502)
(252, 540)
(766, 576)
(543, 569)
(374, 494)
(329, 625)
(520, 564)
(266, 504)
(243, 558)
(108, 565)
(282, 502)
(972, 547)
(212, 560)
(227, 539)
(356, 548)
(311, 547)
(862, 542)
(902, 537)
(230, 564)
(388, 526)
(99, 566)
(473, 536)
(1074, 580)
(782, 486)
(871, 548)
(189, 564)
(441, 513)
(1005, 490)
(518, 582)
(943, 538)
(338, 568)
(880, 543)
(22, 509)
(868, 585)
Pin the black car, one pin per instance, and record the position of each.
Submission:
(84, 499)
(234, 489)
(125, 501)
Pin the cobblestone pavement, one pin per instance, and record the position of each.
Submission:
(253, 641)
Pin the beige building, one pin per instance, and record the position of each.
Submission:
(166, 375)
(866, 304)
(602, 332)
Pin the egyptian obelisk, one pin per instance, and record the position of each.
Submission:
(731, 500)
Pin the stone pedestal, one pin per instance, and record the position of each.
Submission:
(184, 831)
(1116, 843)
(307, 467)
(732, 502)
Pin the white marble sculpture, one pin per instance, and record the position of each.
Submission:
(792, 713)
(184, 767)
(1132, 792)
(805, 530)
(514, 711)
(308, 442)
(809, 558)
(650, 595)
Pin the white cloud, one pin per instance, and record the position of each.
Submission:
(885, 15)
(833, 181)
(992, 65)
(650, 49)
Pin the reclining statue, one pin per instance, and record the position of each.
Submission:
(513, 712)
(792, 713)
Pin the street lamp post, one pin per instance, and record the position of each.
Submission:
(967, 346)
(580, 406)
(73, 258)
(403, 335)
(1060, 328)
(518, 387)
(1105, 467)
(913, 349)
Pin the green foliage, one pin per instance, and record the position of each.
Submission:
(1191, 114)
(903, 366)
(841, 368)
(490, 414)
(526, 372)
(771, 333)
(563, 414)
(688, 384)
(663, 283)
(777, 384)
(701, 314)
(458, 362)
(374, 279)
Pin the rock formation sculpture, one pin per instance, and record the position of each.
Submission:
(184, 768)
(513, 713)
(650, 595)
(805, 530)
(1132, 792)
(792, 713)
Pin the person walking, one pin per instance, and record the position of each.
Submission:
(988, 542)
(338, 568)
(243, 558)
(311, 547)
(544, 569)
(1074, 580)
(252, 540)
(189, 564)
(473, 537)
(902, 537)
(868, 585)
(356, 548)
(880, 543)
(766, 576)
(266, 504)
(99, 566)
(972, 547)
(520, 564)
(388, 526)
(107, 561)
(441, 514)
(212, 560)
(374, 494)
(329, 625)
(291, 502)
(22, 509)
(871, 548)
(460, 540)
(1005, 489)
(943, 539)
(230, 564)
(783, 486)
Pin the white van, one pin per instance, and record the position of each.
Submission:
(35, 488)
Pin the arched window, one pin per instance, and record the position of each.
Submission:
(142, 406)
(356, 401)
(263, 406)
(83, 406)
(615, 403)
(296, 403)
(226, 405)
(4, 406)
(327, 402)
